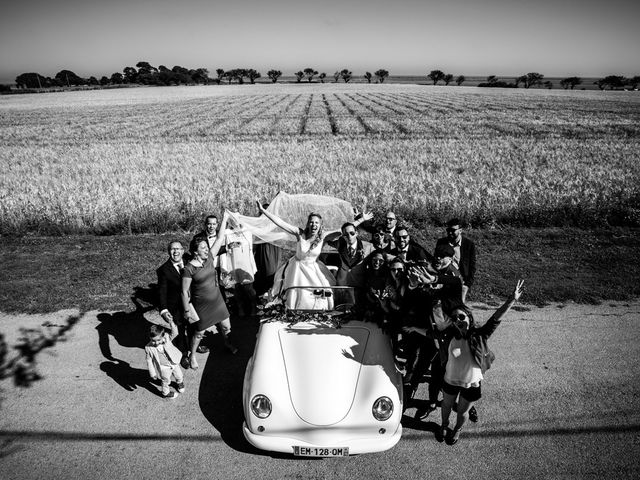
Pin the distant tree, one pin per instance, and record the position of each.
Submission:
(144, 68)
(117, 78)
(299, 75)
(274, 75)
(67, 77)
(633, 82)
(491, 79)
(200, 75)
(368, 76)
(346, 75)
(322, 76)
(436, 76)
(336, 76)
(253, 75)
(240, 73)
(93, 81)
(163, 69)
(460, 79)
(548, 84)
(615, 81)
(5, 88)
(180, 75)
(104, 81)
(382, 75)
(219, 75)
(532, 79)
(31, 80)
(570, 82)
(310, 73)
(130, 74)
(448, 78)
(519, 80)
(600, 83)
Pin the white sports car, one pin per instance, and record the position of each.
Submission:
(319, 384)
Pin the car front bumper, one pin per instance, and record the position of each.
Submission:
(356, 444)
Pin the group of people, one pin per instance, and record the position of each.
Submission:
(417, 296)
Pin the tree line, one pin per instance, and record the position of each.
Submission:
(146, 74)
(532, 79)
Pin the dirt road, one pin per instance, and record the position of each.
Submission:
(561, 400)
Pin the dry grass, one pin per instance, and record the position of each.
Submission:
(156, 159)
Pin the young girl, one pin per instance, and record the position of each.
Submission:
(163, 358)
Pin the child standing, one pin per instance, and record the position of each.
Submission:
(163, 358)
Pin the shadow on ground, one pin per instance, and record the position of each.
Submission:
(220, 394)
(129, 378)
(128, 329)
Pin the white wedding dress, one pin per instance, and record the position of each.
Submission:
(304, 270)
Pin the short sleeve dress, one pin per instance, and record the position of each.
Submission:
(205, 294)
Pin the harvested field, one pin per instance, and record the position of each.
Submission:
(156, 159)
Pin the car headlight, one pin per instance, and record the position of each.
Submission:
(382, 408)
(261, 406)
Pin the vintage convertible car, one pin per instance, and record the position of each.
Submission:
(321, 383)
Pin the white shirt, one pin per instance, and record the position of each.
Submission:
(462, 369)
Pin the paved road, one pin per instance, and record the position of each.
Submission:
(562, 400)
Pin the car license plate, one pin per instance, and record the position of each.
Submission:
(321, 451)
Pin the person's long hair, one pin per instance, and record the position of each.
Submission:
(318, 238)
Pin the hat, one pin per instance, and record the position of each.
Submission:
(444, 250)
(153, 316)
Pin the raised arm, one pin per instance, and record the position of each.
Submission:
(220, 239)
(493, 322)
(366, 216)
(280, 223)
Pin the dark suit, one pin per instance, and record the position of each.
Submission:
(170, 289)
(467, 264)
(346, 262)
(415, 253)
(169, 293)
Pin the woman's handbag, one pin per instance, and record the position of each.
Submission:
(193, 315)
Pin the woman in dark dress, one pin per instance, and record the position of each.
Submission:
(200, 288)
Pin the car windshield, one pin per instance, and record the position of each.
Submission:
(316, 299)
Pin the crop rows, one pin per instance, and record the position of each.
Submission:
(157, 159)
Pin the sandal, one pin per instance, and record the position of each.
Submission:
(193, 363)
(454, 437)
(185, 361)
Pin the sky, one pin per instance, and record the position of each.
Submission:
(587, 38)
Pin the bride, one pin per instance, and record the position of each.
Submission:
(304, 269)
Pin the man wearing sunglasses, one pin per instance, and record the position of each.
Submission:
(464, 254)
(351, 251)
(407, 249)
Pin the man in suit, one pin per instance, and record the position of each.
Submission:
(351, 252)
(464, 257)
(169, 290)
(210, 233)
(407, 249)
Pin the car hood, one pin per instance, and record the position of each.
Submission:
(323, 366)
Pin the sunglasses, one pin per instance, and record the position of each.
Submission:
(390, 218)
(351, 234)
(459, 317)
